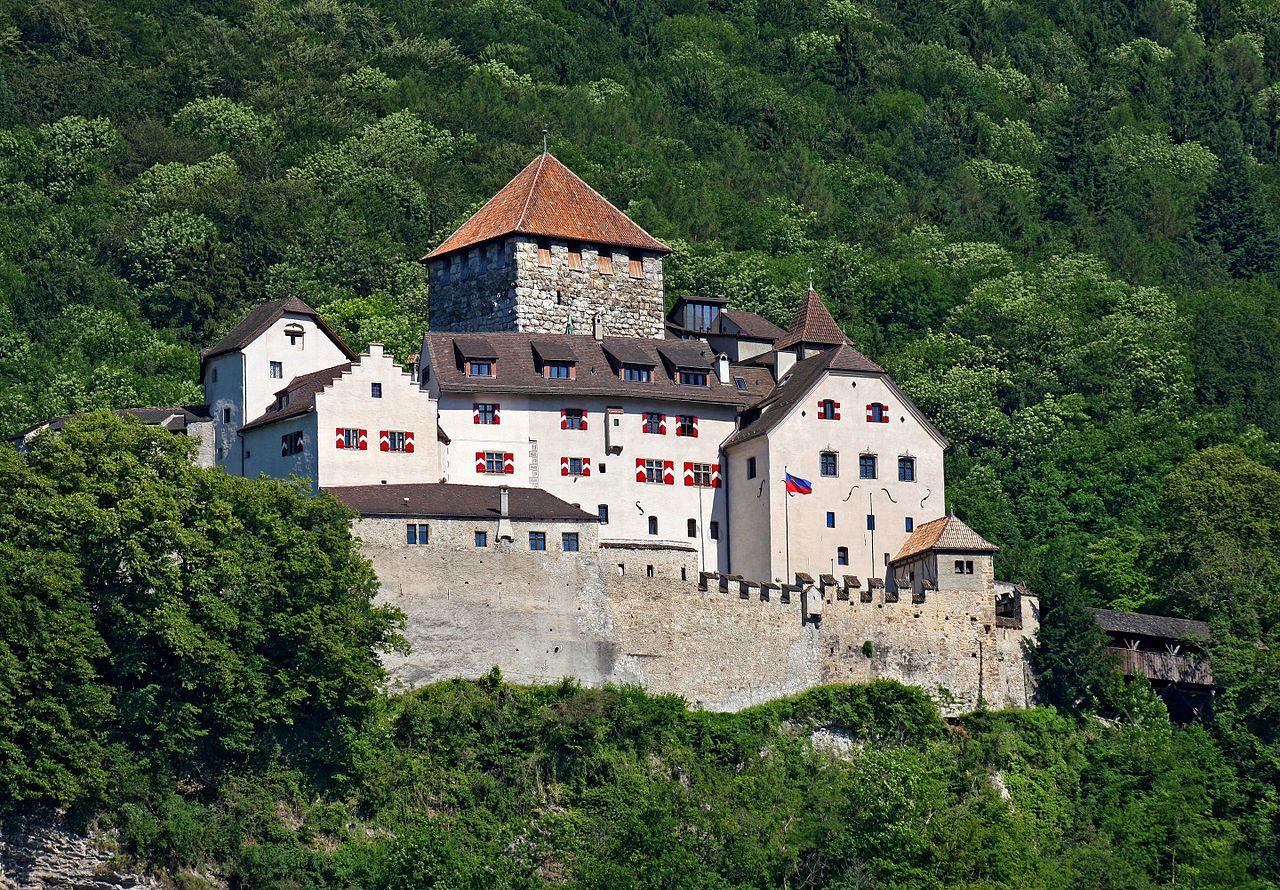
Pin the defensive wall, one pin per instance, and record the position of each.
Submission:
(606, 614)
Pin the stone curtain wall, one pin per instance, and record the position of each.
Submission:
(547, 617)
(514, 293)
(44, 854)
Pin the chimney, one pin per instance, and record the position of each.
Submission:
(722, 368)
(506, 532)
(597, 328)
(783, 361)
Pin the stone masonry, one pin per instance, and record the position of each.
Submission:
(502, 287)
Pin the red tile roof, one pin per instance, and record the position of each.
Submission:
(812, 324)
(947, 533)
(548, 199)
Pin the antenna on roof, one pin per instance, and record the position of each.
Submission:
(544, 138)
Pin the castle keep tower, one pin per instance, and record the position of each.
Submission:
(548, 254)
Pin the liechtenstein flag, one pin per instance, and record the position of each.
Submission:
(796, 485)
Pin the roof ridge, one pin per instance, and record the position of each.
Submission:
(533, 187)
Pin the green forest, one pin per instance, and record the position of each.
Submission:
(1055, 223)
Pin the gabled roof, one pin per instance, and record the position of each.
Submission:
(174, 418)
(947, 533)
(261, 317)
(548, 199)
(452, 501)
(812, 324)
(516, 370)
(300, 396)
(751, 326)
(768, 412)
(1141, 624)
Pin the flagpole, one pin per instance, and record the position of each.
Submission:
(786, 509)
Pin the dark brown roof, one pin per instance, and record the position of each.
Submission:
(261, 317)
(627, 352)
(812, 324)
(1142, 624)
(946, 533)
(449, 501)
(597, 375)
(175, 418)
(554, 350)
(751, 326)
(693, 354)
(768, 412)
(548, 199)
(299, 397)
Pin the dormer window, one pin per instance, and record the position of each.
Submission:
(691, 377)
(637, 374)
(479, 368)
(558, 370)
(296, 335)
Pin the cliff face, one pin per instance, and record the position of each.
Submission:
(35, 854)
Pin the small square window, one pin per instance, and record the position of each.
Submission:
(277, 370)
(375, 390)
(866, 466)
(482, 539)
(558, 370)
(569, 542)
(906, 469)
(692, 378)
(485, 413)
(574, 419)
(654, 423)
(831, 519)
(537, 540)
(637, 374)
(479, 369)
(829, 463)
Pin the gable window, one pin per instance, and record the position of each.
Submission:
(687, 425)
(906, 469)
(866, 466)
(573, 419)
(688, 377)
(635, 266)
(831, 519)
(910, 524)
(751, 468)
(277, 370)
(484, 413)
(480, 368)
(606, 264)
(482, 539)
(602, 511)
(877, 413)
(569, 542)
(417, 533)
(713, 530)
(829, 463)
(558, 370)
(544, 253)
(842, 556)
(637, 374)
(296, 334)
(693, 528)
(828, 409)
(575, 257)
(655, 423)
(537, 540)
(653, 525)
(964, 566)
(375, 390)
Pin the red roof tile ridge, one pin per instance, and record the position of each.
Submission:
(533, 187)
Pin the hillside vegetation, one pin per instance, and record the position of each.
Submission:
(1055, 222)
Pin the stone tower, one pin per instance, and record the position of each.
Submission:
(548, 254)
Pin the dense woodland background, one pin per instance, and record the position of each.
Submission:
(1056, 223)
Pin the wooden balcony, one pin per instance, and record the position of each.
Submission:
(1161, 667)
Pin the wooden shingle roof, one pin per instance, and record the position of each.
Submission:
(549, 200)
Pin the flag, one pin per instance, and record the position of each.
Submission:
(796, 485)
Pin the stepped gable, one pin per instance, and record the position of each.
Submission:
(947, 533)
(261, 317)
(770, 411)
(812, 324)
(517, 361)
(447, 500)
(300, 395)
(547, 199)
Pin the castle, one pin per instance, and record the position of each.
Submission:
(570, 481)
